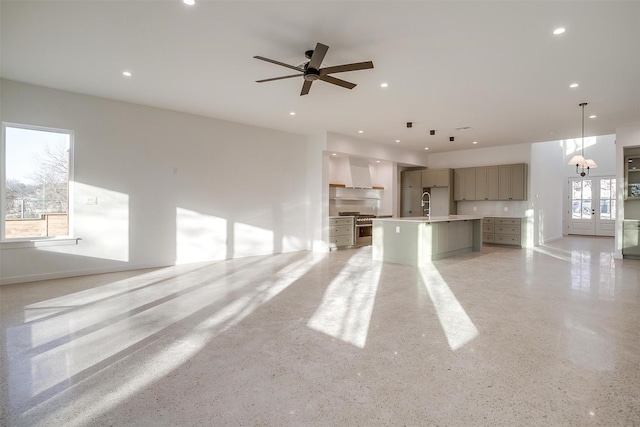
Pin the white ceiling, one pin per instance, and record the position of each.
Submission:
(493, 66)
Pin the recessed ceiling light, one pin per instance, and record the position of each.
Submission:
(360, 131)
(189, 2)
(426, 148)
(397, 140)
(384, 85)
(126, 73)
(593, 116)
(475, 142)
(293, 113)
(574, 85)
(377, 161)
(559, 31)
(333, 154)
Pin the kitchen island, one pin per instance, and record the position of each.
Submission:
(418, 240)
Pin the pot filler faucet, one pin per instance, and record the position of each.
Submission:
(426, 204)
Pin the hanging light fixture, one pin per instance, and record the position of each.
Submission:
(581, 163)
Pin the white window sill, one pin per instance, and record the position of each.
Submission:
(38, 243)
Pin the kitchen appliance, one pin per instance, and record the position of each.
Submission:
(363, 226)
(364, 230)
(312, 71)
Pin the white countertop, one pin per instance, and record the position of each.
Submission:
(432, 219)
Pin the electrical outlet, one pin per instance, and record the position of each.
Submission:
(506, 208)
(397, 229)
(92, 200)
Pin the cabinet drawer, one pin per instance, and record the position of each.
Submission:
(488, 228)
(507, 221)
(506, 229)
(488, 220)
(339, 241)
(507, 239)
(341, 230)
(341, 221)
(488, 238)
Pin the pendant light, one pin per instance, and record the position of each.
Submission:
(581, 163)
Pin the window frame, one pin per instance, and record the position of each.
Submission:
(32, 241)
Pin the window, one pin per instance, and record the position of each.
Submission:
(37, 166)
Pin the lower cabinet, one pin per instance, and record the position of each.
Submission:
(453, 236)
(631, 239)
(341, 232)
(503, 231)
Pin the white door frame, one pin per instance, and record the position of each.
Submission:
(600, 208)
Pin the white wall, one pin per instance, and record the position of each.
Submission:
(547, 178)
(238, 190)
(357, 147)
(601, 148)
(384, 174)
(520, 153)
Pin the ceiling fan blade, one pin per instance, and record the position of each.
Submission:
(279, 78)
(346, 67)
(338, 82)
(293, 67)
(318, 56)
(305, 87)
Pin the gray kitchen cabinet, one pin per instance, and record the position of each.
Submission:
(432, 178)
(453, 236)
(504, 231)
(464, 184)
(410, 201)
(341, 232)
(487, 183)
(411, 179)
(512, 182)
(631, 238)
(493, 183)
(411, 192)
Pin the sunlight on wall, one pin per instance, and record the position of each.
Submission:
(101, 219)
(456, 324)
(199, 237)
(250, 240)
(528, 227)
(111, 322)
(347, 304)
(573, 146)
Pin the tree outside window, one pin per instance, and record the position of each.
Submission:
(37, 164)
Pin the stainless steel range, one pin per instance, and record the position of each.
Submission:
(363, 227)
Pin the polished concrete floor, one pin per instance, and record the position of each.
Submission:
(544, 336)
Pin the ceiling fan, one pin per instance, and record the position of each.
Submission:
(311, 71)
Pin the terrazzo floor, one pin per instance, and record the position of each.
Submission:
(543, 336)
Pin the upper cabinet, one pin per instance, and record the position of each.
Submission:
(512, 182)
(464, 184)
(433, 178)
(487, 183)
(411, 179)
(504, 182)
(632, 177)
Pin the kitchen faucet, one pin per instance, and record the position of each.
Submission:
(426, 205)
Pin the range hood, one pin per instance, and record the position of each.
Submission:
(359, 171)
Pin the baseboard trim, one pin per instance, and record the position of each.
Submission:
(85, 272)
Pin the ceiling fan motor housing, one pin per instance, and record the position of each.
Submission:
(311, 74)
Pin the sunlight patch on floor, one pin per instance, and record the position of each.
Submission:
(230, 299)
(347, 304)
(456, 324)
